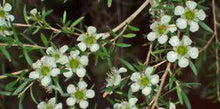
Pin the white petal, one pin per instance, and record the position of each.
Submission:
(135, 87)
(172, 56)
(174, 41)
(91, 30)
(135, 76)
(74, 53)
(71, 89)
(34, 11)
(191, 5)
(183, 62)
(154, 79)
(46, 81)
(82, 46)
(154, 25)
(34, 75)
(81, 72)
(52, 101)
(70, 101)
(151, 36)
(165, 19)
(55, 72)
(193, 52)
(82, 85)
(81, 37)
(132, 101)
(83, 104)
(186, 40)
(63, 59)
(63, 49)
(59, 106)
(194, 26)
(149, 70)
(172, 106)
(172, 28)
(84, 60)
(94, 47)
(117, 80)
(36, 64)
(122, 70)
(7, 7)
(181, 23)
(50, 51)
(201, 15)
(162, 39)
(90, 93)
(68, 74)
(41, 105)
(179, 10)
(146, 91)
(103, 35)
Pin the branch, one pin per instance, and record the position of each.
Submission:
(155, 99)
(14, 73)
(25, 45)
(148, 54)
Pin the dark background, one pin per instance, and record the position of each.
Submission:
(97, 14)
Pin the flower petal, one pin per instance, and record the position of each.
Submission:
(91, 30)
(154, 79)
(163, 39)
(83, 104)
(135, 76)
(165, 19)
(201, 15)
(183, 62)
(174, 41)
(146, 91)
(193, 52)
(194, 26)
(135, 87)
(70, 101)
(71, 89)
(81, 72)
(186, 40)
(82, 46)
(7, 7)
(46, 81)
(63, 49)
(191, 5)
(55, 72)
(90, 93)
(181, 23)
(94, 47)
(172, 56)
(151, 36)
(179, 10)
(84, 60)
(82, 85)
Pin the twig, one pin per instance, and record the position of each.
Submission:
(157, 65)
(155, 99)
(25, 45)
(207, 44)
(26, 88)
(14, 73)
(148, 54)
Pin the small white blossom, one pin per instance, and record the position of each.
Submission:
(182, 51)
(89, 39)
(34, 12)
(79, 94)
(126, 104)
(76, 64)
(4, 31)
(114, 77)
(5, 17)
(58, 54)
(44, 69)
(51, 104)
(189, 15)
(160, 29)
(144, 80)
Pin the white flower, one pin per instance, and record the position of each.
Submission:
(189, 15)
(44, 69)
(182, 51)
(51, 104)
(144, 80)
(172, 105)
(89, 39)
(160, 29)
(114, 77)
(79, 94)
(58, 54)
(5, 17)
(76, 64)
(4, 31)
(34, 12)
(126, 104)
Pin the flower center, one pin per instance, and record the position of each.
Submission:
(56, 56)
(74, 63)
(182, 50)
(45, 70)
(2, 28)
(190, 15)
(145, 80)
(2, 13)
(90, 39)
(80, 95)
(161, 29)
(49, 107)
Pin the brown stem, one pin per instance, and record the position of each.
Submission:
(25, 45)
(14, 73)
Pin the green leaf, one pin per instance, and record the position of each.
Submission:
(123, 45)
(76, 22)
(132, 28)
(20, 88)
(186, 100)
(44, 39)
(179, 96)
(6, 53)
(205, 27)
(127, 64)
(109, 3)
(64, 17)
(27, 57)
(192, 66)
(25, 15)
(130, 35)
